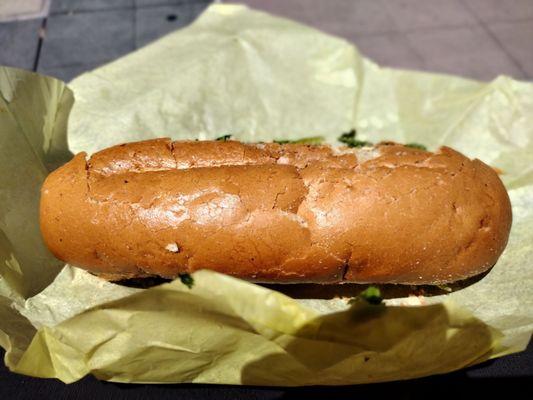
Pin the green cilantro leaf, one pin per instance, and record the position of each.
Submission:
(187, 280)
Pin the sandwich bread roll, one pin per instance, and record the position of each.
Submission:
(267, 212)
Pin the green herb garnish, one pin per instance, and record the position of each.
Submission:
(307, 140)
(223, 138)
(349, 139)
(416, 146)
(371, 295)
(187, 280)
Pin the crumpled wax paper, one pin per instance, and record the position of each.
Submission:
(258, 77)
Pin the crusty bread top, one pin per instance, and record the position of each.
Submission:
(269, 212)
(163, 154)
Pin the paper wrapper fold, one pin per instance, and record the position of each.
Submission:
(257, 77)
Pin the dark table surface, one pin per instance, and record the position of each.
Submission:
(79, 35)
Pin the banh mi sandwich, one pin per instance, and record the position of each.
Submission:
(277, 212)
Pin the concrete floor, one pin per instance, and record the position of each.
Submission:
(474, 38)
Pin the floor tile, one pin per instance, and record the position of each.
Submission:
(390, 49)
(73, 39)
(501, 10)
(83, 34)
(344, 18)
(154, 22)
(517, 39)
(69, 6)
(23, 9)
(151, 3)
(19, 42)
(469, 51)
(68, 73)
(415, 14)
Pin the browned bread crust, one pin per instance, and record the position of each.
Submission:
(277, 213)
